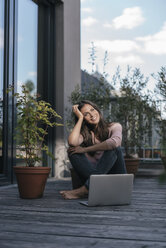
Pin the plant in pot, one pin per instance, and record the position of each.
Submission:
(34, 118)
(163, 141)
(134, 112)
(162, 132)
(161, 91)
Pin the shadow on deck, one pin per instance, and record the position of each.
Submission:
(53, 222)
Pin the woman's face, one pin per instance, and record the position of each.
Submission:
(91, 115)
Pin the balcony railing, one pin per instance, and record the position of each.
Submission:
(148, 153)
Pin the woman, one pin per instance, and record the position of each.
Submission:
(94, 147)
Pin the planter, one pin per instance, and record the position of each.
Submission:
(76, 181)
(31, 181)
(132, 165)
(148, 153)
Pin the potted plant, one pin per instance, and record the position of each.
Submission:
(163, 141)
(34, 118)
(161, 90)
(135, 112)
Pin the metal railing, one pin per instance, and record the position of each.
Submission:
(148, 153)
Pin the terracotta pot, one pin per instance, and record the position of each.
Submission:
(132, 165)
(31, 181)
(148, 154)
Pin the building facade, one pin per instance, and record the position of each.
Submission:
(40, 42)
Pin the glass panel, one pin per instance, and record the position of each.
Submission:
(1, 78)
(27, 46)
(27, 42)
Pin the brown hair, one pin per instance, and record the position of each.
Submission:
(100, 132)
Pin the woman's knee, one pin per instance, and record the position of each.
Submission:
(76, 159)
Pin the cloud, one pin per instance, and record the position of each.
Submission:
(154, 44)
(130, 18)
(87, 10)
(89, 21)
(117, 46)
(83, 1)
(32, 73)
(1, 38)
(129, 59)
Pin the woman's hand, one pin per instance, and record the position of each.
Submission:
(77, 112)
(76, 149)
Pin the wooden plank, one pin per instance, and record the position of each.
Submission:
(84, 230)
(135, 221)
(44, 241)
(15, 240)
(51, 219)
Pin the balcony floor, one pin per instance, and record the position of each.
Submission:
(53, 222)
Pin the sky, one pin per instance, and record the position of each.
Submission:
(133, 32)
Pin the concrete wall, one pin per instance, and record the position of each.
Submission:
(67, 68)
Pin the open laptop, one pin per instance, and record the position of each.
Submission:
(112, 189)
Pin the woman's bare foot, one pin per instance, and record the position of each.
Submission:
(75, 194)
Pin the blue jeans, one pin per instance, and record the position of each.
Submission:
(112, 162)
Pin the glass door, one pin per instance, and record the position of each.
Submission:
(1, 80)
(26, 48)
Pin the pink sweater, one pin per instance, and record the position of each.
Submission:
(114, 140)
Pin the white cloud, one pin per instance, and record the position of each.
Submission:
(107, 25)
(89, 21)
(87, 10)
(32, 73)
(1, 38)
(83, 1)
(129, 59)
(117, 46)
(154, 44)
(130, 18)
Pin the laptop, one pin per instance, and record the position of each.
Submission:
(112, 189)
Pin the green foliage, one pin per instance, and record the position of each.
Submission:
(92, 55)
(34, 117)
(161, 82)
(162, 133)
(134, 109)
(161, 91)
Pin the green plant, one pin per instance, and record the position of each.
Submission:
(134, 109)
(34, 118)
(161, 93)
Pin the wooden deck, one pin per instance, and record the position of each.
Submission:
(54, 222)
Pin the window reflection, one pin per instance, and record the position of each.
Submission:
(27, 42)
(1, 77)
(27, 46)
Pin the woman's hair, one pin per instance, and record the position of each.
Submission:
(100, 132)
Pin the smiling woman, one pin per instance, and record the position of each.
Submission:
(94, 147)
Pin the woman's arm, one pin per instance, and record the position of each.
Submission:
(111, 143)
(94, 148)
(75, 138)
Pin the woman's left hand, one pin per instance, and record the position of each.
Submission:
(76, 149)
